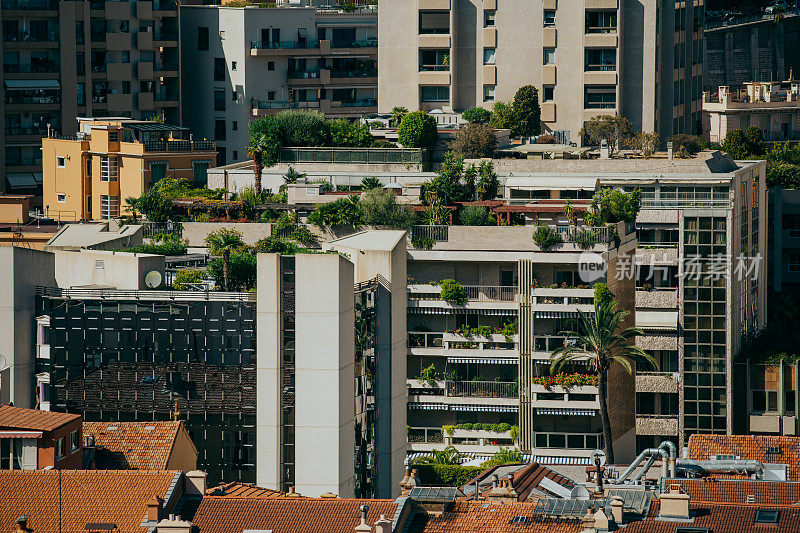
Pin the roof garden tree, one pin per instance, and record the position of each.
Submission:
(645, 143)
(614, 129)
(380, 208)
(488, 183)
(755, 141)
(685, 145)
(396, 116)
(783, 166)
(502, 116)
(343, 212)
(263, 150)
(132, 208)
(526, 112)
(303, 128)
(473, 215)
(350, 134)
(477, 115)
(447, 186)
(417, 130)
(370, 183)
(224, 242)
(474, 141)
(602, 336)
(619, 206)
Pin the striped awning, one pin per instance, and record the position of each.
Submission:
(485, 408)
(447, 311)
(556, 314)
(484, 360)
(526, 458)
(565, 412)
(559, 460)
(428, 406)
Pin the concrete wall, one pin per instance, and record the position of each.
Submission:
(118, 270)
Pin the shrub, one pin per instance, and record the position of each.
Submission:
(186, 276)
(380, 208)
(344, 212)
(546, 237)
(474, 141)
(566, 380)
(304, 236)
(504, 457)
(476, 216)
(477, 115)
(602, 295)
(422, 243)
(617, 206)
(164, 248)
(545, 139)
(276, 245)
(452, 292)
(585, 239)
(446, 475)
(502, 116)
(352, 134)
(417, 130)
(242, 271)
(786, 175)
(370, 183)
(302, 128)
(735, 144)
(488, 184)
(686, 145)
(613, 129)
(527, 115)
(645, 143)
(383, 143)
(755, 141)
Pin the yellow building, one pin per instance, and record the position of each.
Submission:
(88, 177)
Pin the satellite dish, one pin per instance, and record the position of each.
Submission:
(153, 279)
(598, 454)
(579, 493)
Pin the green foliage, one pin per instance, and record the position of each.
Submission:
(645, 143)
(508, 330)
(684, 145)
(452, 292)
(502, 116)
(616, 205)
(428, 375)
(165, 248)
(276, 245)
(488, 184)
(417, 130)
(476, 216)
(437, 215)
(744, 144)
(397, 116)
(546, 237)
(783, 166)
(565, 380)
(435, 475)
(304, 236)
(342, 212)
(156, 202)
(613, 129)
(494, 428)
(352, 134)
(380, 208)
(755, 141)
(265, 141)
(370, 183)
(250, 199)
(474, 141)
(186, 276)
(383, 143)
(584, 239)
(527, 114)
(302, 128)
(448, 456)
(224, 240)
(602, 294)
(242, 271)
(422, 243)
(506, 456)
(477, 114)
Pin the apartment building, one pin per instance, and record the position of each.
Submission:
(774, 108)
(784, 240)
(245, 62)
(64, 59)
(89, 176)
(639, 60)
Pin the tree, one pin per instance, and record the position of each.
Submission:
(154, 205)
(224, 242)
(502, 116)
(488, 184)
(602, 294)
(755, 141)
(617, 206)
(743, 144)
(342, 212)
(417, 130)
(265, 141)
(131, 207)
(258, 149)
(546, 237)
(350, 134)
(186, 277)
(448, 456)
(397, 115)
(477, 114)
(380, 208)
(275, 245)
(645, 143)
(370, 183)
(474, 215)
(783, 166)
(613, 129)
(446, 187)
(527, 114)
(242, 271)
(685, 145)
(303, 128)
(505, 456)
(602, 336)
(474, 141)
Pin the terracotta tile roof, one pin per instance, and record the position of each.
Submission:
(749, 447)
(132, 445)
(484, 517)
(21, 418)
(244, 490)
(527, 480)
(737, 491)
(287, 515)
(99, 496)
(721, 518)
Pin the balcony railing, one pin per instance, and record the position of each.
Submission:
(303, 74)
(283, 104)
(25, 37)
(476, 293)
(425, 435)
(12, 98)
(569, 441)
(178, 146)
(165, 66)
(166, 36)
(42, 68)
(591, 67)
(113, 294)
(340, 73)
(165, 97)
(601, 29)
(283, 45)
(425, 339)
(366, 102)
(434, 233)
(549, 343)
(369, 43)
(30, 130)
(51, 5)
(481, 389)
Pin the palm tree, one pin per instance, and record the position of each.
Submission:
(448, 456)
(370, 183)
(259, 144)
(223, 242)
(601, 336)
(397, 116)
(132, 207)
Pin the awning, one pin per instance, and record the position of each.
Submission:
(485, 408)
(12, 434)
(556, 314)
(32, 84)
(428, 406)
(662, 320)
(484, 360)
(565, 412)
(545, 183)
(559, 460)
(21, 180)
(447, 311)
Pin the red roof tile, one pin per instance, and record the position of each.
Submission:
(749, 447)
(99, 496)
(484, 517)
(21, 418)
(287, 515)
(132, 445)
(737, 491)
(244, 490)
(526, 480)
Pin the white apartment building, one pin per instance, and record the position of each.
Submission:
(642, 60)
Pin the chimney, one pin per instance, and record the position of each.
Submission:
(495, 479)
(292, 493)
(669, 150)
(363, 527)
(616, 509)
(604, 151)
(328, 495)
(383, 525)
(196, 483)
(154, 509)
(601, 521)
(408, 482)
(674, 503)
(503, 492)
(174, 524)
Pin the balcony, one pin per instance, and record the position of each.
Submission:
(464, 395)
(43, 67)
(120, 101)
(562, 300)
(118, 41)
(659, 382)
(23, 37)
(579, 398)
(435, 39)
(25, 5)
(425, 439)
(422, 435)
(119, 71)
(304, 77)
(166, 69)
(166, 38)
(165, 5)
(656, 424)
(29, 130)
(477, 293)
(567, 441)
(270, 107)
(272, 48)
(430, 77)
(179, 146)
(481, 389)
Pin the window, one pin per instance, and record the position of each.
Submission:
(601, 22)
(270, 65)
(548, 93)
(488, 56)
(61, 451)
(201, 172)
(549, 56)
(600, 97)
(549, 17)
(219, 130)
(113, 136)
(158, 171)
(488, 93)
(61, 161)
(61, 197)
(11, 454)
(219, 100)
(74, 441)
(437, 22)
(235, 155)
(767, 516)
(488, 18)
(270, 95)
(233, 65)
(235, 125)
(109, 170)
(202, 38)
(600, 59)
(435, 93)
(431, 60)
(81, 94)
(219, 69)
(109, 207)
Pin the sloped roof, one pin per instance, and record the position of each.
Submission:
(245, 490)
(86, 496)
(485, 517)
(34, 419)
(287, 515)
(786, 450)
(526, 479)
(132, 445)
(737, 491)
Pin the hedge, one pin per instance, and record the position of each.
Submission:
(446, 475)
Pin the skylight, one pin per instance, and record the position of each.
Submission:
(766, 516)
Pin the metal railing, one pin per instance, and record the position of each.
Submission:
(597, 235)
(420, 339)
(481, 389)
(114, 294)
(351, 155)
(25, 37)
(340, 73)
(365, 102)
(435, 233)
(425, 435)
(47, 67)
(178, 146)
(369, 43)
(285, 231)
(30, 130)
(155, 229)
(549, 343)
(283, 45)
(569, 441)
(303, 74)
(255, 103)
(30, 4)
(491, 293)
(713, 23)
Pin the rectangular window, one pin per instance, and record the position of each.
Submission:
(74, 441)
(61, 161)
(549, 18)
(235, 155)
(158, 171)
(601, 22)
(600, 97)
(219, 69)
(435, 93)
(600, 59)
(61, 197)
(109, 169)
(549, 56)
(219, 100)
(488, 56)
(202, 38)
(219, 130)
(109, 207)
(61, 445)
(488, 18)
(113, 136)
(81, 94)
(488, 93)
(432, 60)
(548, 93)
(201, 172)
(270, 65)
(235, 125)
(437, 22)
(233, 65)
(270, 95)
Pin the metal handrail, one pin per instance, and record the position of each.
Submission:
(481, 389)
(117, 294)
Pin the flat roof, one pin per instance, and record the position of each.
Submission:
(153, 126)
(380, 240)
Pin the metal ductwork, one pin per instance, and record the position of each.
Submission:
(730, 466)
(666, 450)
